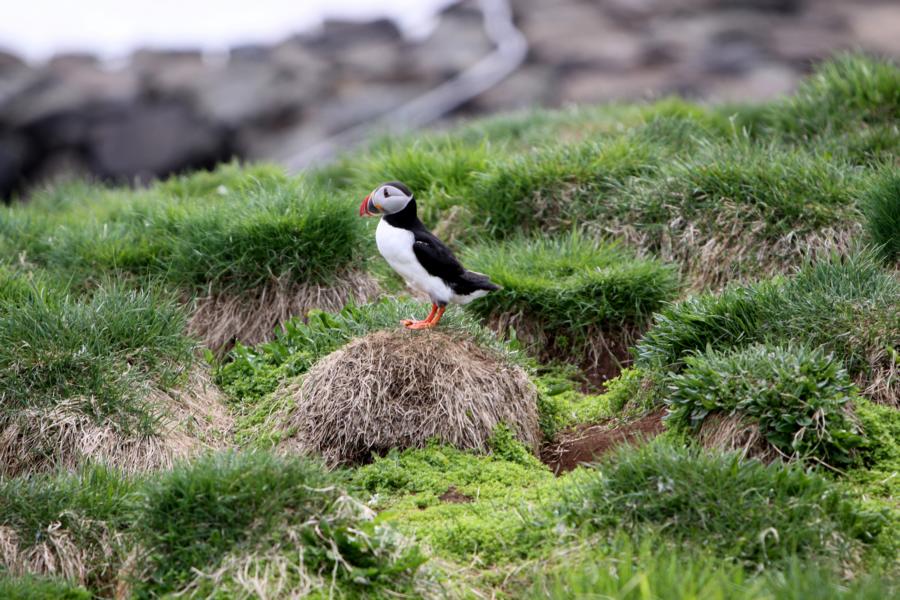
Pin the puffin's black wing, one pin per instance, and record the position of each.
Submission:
(439, 261)
(437, 258)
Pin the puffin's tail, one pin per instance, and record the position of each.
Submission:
(480, 281)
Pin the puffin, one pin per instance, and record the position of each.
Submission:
(425, 262)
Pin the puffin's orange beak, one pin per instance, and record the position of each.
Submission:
(363, 208)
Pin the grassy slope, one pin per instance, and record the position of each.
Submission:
(615, 198)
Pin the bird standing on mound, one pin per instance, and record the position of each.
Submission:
(418, 256)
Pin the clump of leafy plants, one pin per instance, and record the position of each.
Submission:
(799, 398)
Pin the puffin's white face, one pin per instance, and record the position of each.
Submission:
(387, 199)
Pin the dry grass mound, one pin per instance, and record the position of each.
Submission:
(399, 389)
(251, 317)
(192, 418)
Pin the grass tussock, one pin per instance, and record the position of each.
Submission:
(223, 319)
(627, 569)
(571, 296)
(849, 306)
(882, 207)
(227, 525)
(231, 231)
(849, 91)
(741, 510)
(68, 526)
(399, 390)
(106, 378)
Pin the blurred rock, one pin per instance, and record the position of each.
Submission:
(15, 157)
(459, 41)
(878, 28)
(147, 140)
(161, 111)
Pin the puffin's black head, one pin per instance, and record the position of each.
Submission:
(387, 199)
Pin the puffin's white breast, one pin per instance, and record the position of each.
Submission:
(396, 246)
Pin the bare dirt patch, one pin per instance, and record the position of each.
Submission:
(454, 496)
(586, 443)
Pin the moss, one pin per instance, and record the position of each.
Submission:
(496, 518)
(561, 405)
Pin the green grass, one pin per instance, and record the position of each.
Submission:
(196, 514)
(39, 588)
(798, 398)
(571, 287)
(650, 569)
(102, 351)
(231, 230)
(847, 305)
(80, 513)
(843, 93)
(555, 187)
(744, 511)
(194, 528)
(882, 207)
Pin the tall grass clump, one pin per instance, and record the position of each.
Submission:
(571, 296)
(107, 377)
(847, 305)
(231, 230)
(849, 91)
(847, 109)
(206, 525)
(741, 510)
(554, 187)
(100, 352)
(67, 525)
(649, 568)
(882, 208)
(797, 398)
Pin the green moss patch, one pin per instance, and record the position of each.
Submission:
(461, 504)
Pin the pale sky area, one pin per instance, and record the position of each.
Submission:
(37, 29)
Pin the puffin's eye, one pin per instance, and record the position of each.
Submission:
(386, 193)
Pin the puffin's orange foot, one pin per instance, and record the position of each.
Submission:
(407, 322)
(421, 325)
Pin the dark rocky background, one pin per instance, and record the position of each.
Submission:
(165, 111)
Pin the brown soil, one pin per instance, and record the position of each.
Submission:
(453, 496)
(585, 443)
